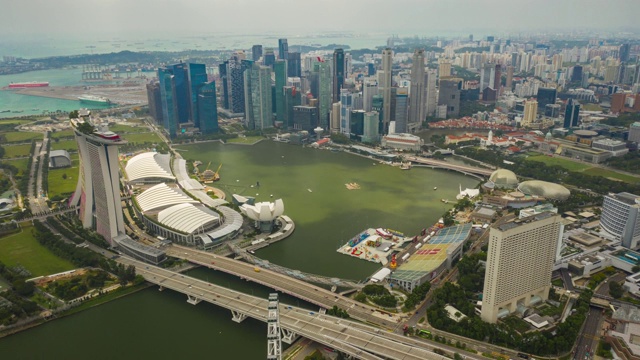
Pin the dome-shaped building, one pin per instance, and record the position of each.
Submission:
(502, 179)
(545, 189)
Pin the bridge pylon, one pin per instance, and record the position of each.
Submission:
(274, 340)
(237, 316)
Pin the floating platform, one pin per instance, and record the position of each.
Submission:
(375, 245)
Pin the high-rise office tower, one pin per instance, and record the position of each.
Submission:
(256, 52)
(370, 132)
(283, 49)
(280, 72)
(236, 66)
(292, 97)
(519, 263)
(509, 82)
(634, 130)
(356, 124)
(335, 117)
(269, 57)
(621, 218)
(155, 102)
(384, 86)
(348, 65)
(322, 77)
(377, 106)
(546, 96)
(431, 92)
(338, 73)
(346, 105)
(224, 83)
(174, 94)
(497, 78)
(258, 103)
(294, 65)
(207, 107)
(401, 97)
(530, 111)
(369, 90)
(571, 114)
(305, 117)
(417, 96)
(444, 69)
(371, 69)
(449, 95)
(197, 78)
(98, 190)
(623, 53)
(576, 75)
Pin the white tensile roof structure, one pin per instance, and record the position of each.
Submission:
(149, 165)
(162, 196)
(187, 218)
(263, 211)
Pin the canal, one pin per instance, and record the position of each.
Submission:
(152, 324)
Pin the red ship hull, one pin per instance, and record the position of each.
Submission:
(28, 85)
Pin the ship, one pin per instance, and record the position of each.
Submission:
(30, 84)
(92, 99)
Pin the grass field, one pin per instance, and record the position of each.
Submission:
(62, 134)
(118, 128)
(23, 249)
(18, 136)
(64, 145)
(12, 151)
(21, 164)
(142, 137)
(567, 164)
(612, 174)
(245, 140)
(58, 185)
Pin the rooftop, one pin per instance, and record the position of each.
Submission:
(161, 196)
(187, 217)
(519, 222)
(149, 165)
(627, 198)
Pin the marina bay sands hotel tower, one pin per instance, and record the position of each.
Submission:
(98, 190)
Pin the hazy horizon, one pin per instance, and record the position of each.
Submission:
(63, 19)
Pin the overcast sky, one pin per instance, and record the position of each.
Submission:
(193, 17)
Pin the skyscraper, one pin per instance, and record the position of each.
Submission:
(155, 102)
(546, 96)
(356, 124)
(197, 78)
(292, 97)
(269, 57)
(236, 67)
(175, 96)
(98, 190)
(571, 114)
(497, 78)
(346, 105)
(294, 65)
(370, 132)
(305, 117)
(431, 92)
(322, 74)
(256, 52)
(444, 69)
(259, 111)
(449, 95)
(519, 263)
(417, 96)
(624, 52)
(283, 49)
(576, 75)
(621, 218)
(169, 106)
(338, 73)
(207, 108)
(530, 111)
(384, 86)
(224, 83)
(369, 90)
(280, 71)
(401, 96)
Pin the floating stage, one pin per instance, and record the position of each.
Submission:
(374, 245)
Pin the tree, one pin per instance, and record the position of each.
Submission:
(615, 290)
(64, 176)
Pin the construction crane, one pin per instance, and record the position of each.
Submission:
(216, 176)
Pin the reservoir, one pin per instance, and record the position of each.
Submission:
(153, 324)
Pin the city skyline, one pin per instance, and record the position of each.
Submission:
(426, 15)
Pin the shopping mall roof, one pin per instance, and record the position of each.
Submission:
(161, 196)
(453, 234)
(187, 217)
(148, 166)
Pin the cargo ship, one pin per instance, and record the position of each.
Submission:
(30, 84)
(91, 99)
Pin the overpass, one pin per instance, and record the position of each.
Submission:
(437, 164)
(46, 214)
(357, 340)
(313, 278)
(295, 287)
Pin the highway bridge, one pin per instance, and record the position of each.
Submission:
(286, 284)
(357, 340)
(437, 164)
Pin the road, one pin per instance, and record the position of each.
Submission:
(286, 284)
(359, 340)
(588, 338)
(603, 289)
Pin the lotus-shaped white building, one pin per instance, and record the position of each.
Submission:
(264, 213)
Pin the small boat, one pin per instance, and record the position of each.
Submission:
(309, 190)
(374, 164)
(435, 188)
